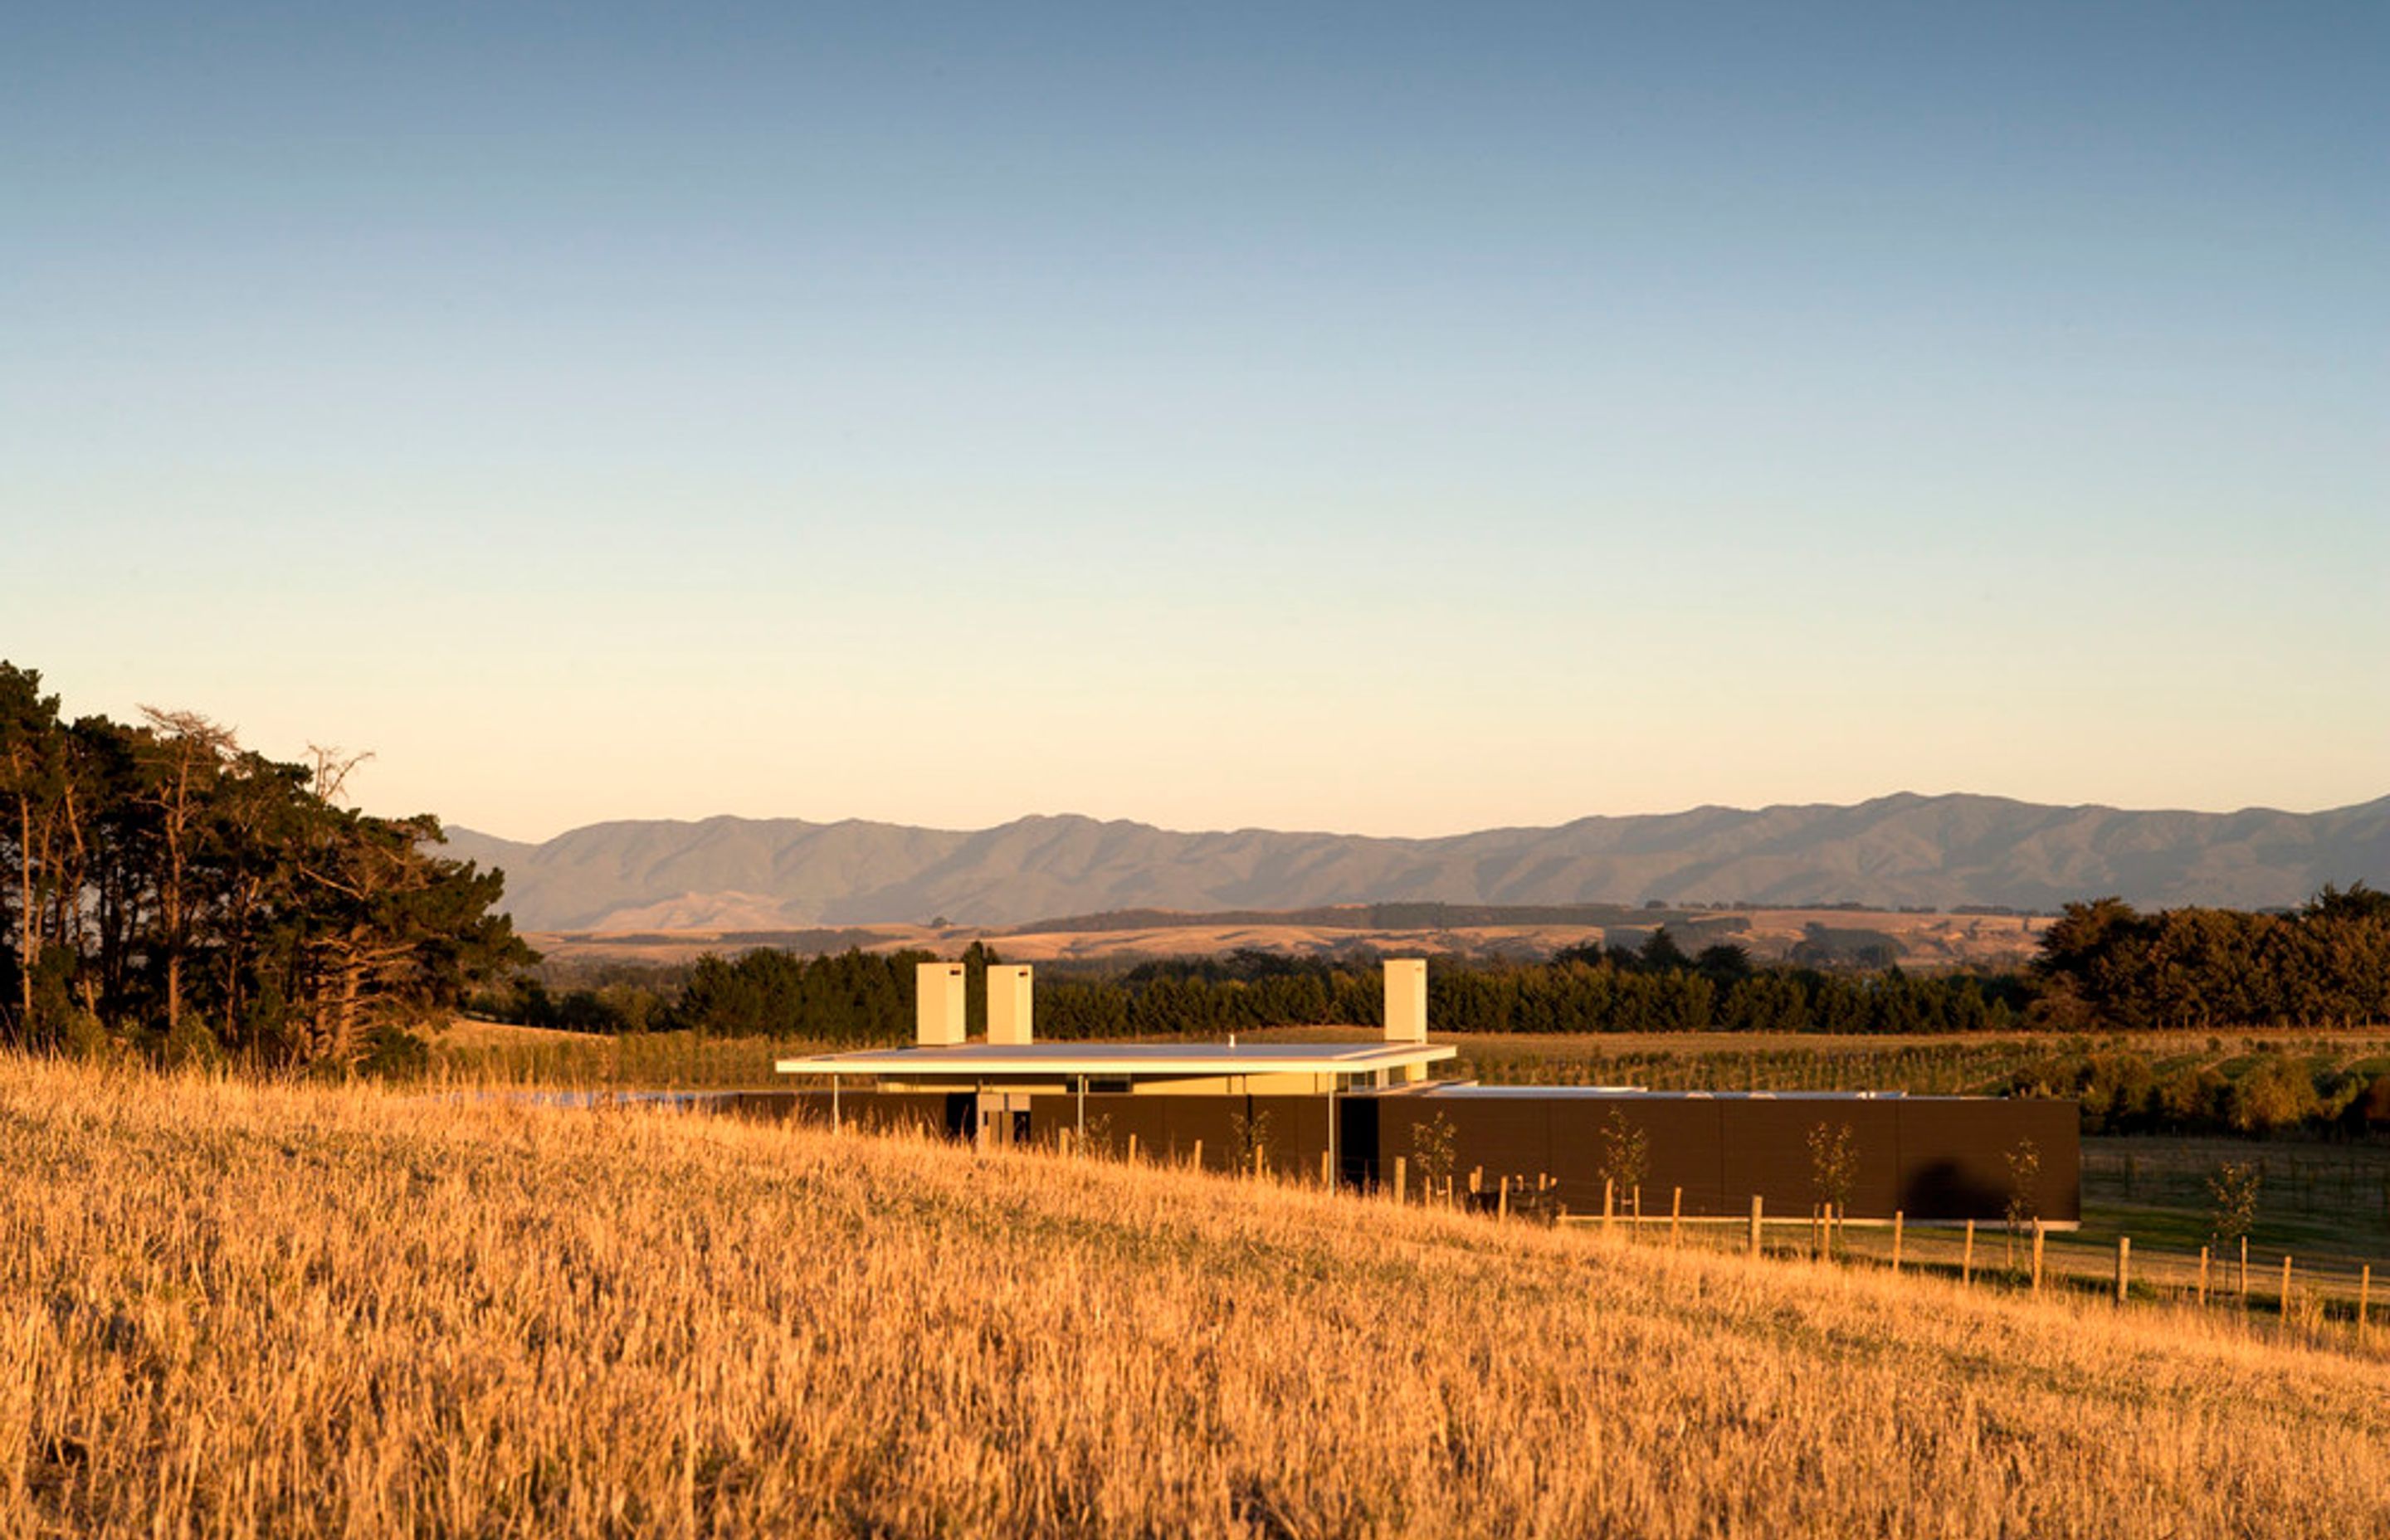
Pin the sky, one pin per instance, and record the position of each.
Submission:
(1391, 419)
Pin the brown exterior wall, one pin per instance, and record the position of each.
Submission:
(1955, 1156)
(1929, 1158)
(1293, 1130)
(1943, 1159)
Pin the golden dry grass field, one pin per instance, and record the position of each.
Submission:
(234, 1309)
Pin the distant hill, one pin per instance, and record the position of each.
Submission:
(1941, 853)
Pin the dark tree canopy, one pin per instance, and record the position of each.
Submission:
(164, 888)
(2105, 964)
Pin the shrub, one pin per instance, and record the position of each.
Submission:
(2271, 1094)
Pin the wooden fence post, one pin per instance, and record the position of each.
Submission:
(1609, 1202)
(1502, 1202)
(1896, 1242)
(1196, 1161)
(1675, 1214)
(1476, 1180)
(2285, 1304)
(1402, 1177)
(1257, 1163)
(2202, 1276)
(2245, 1272)
(1967, 1256)
(1062, 1140)
(1327, 1172)
(1755, 1224)
(2036, 1256)
(1636, 1198)
(1132, 1149)
(2364, 1298)
(2123, 1266)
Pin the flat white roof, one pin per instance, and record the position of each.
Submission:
(1122, 1061)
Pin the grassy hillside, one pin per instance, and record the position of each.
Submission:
(241, 1310)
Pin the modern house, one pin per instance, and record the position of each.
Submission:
(1360, 1106)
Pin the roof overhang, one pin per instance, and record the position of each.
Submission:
(1047, 1061)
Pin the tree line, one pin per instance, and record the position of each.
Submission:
(1657, 989)
(857, 997)
(2103, 966)
(2106, 965)
(852, 997)
(165, 890)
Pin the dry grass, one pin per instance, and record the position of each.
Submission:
(495, 1054)
(240, 1310)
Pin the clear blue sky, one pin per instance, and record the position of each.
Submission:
(1392, 418)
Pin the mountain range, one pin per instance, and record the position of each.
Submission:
(1900, 851)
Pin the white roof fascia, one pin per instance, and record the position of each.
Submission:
(1046, 1061)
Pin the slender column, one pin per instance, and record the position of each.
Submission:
(1332, 1170)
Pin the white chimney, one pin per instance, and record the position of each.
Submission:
(938, 1012)
(1007, 1002)
(1407, 999)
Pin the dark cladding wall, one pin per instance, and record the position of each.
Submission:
(1290, 1131)
(1929, 1158)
